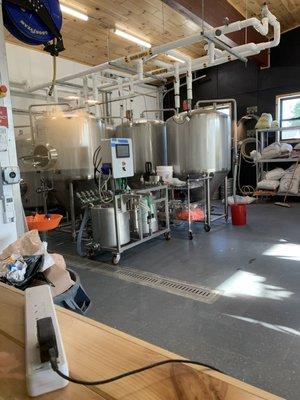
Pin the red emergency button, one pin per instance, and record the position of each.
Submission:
(3, 90)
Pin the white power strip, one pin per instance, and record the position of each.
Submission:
(40, 377)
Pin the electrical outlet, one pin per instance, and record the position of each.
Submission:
(40, 377)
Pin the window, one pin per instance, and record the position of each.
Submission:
(288, 115)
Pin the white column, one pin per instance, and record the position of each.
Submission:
(11, 209)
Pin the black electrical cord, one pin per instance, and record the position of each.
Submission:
(55, 368)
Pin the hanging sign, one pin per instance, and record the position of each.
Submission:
(3, 117)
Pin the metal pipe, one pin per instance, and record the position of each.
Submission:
(158, 110)
(41, 105)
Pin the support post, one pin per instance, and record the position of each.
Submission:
(12, 222)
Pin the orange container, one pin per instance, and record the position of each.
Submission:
(196, 214)
(43, 222)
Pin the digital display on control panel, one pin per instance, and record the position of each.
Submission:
(122, 150)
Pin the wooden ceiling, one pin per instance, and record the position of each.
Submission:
(286, 11)
(94, 42)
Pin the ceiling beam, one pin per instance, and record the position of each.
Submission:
(214, 15)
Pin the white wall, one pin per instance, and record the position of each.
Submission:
(34, 67)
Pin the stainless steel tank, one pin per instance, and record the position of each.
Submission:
(65, 143)
(30, 177)
(200, 144)
(148, 140)
(103, 225)
(62, 152)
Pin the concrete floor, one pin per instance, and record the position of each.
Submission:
(251, 332)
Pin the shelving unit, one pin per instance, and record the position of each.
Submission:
(261, 140)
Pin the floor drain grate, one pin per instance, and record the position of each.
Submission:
(179, 288)
(185, 289)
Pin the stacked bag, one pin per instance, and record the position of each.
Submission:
(286, 181)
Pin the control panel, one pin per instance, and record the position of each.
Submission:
(117, 152)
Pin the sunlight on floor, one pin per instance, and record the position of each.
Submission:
(244, 283)
(286, 251)
(278, 328)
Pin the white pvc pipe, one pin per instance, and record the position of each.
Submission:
(211, 52)
(140, 69)
(176, 86)
(261, 27)
(189, 83)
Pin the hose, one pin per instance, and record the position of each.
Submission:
(83, 224)
(246, 190)
(54, 73)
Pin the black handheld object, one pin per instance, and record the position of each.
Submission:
(46, 339)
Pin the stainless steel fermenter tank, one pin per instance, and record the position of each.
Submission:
(70, 139)
(200, 144)
(148, 140)
(61, 152)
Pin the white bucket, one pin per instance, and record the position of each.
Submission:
(165, 172)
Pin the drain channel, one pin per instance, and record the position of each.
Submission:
(179, 288)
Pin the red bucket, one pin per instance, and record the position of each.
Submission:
(239, 214)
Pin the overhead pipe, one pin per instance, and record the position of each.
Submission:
(183, 84)
(140, 69)
(189, 84)
(158, 110)
(209, 34)
(176, 86)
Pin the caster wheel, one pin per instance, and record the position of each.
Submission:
(168, 236)
(206, 228)
(191, 236)
(116, 259)
(90, 253)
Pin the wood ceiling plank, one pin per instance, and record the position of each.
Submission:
(151, 20)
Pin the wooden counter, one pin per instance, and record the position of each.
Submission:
(95, 351)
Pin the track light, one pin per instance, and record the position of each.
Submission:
(132, 38)
(74, 13)
(180, 60)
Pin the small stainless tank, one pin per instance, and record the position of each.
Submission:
(200, 144)
(103, 224)
(148, 140)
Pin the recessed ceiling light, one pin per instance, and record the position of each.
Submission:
(74, 13)
(181, 60)
(132, 38)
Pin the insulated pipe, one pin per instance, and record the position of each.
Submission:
(172, 45)
(189, 84)
(261, 27)
(140, 69)
(176, 86)
(276, 40)
(211, 52)
(235, 134)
